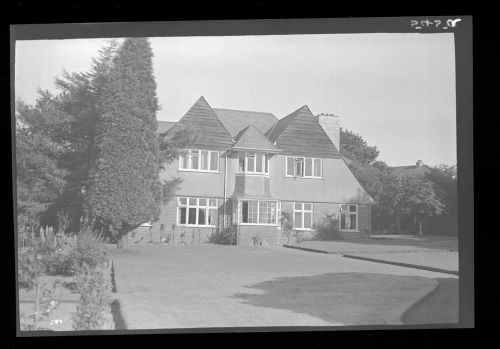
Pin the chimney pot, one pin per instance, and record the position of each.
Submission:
(419, 163)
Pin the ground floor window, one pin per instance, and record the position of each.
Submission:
(302, 215)
(196, 211)
(349, 217)
(258, 212)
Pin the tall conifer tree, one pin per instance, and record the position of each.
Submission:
(124, 189)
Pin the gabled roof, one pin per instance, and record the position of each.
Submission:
(213, 133)
(412, 170)
(251, 139)
(236, 120)
(164, 126)
(301, 134)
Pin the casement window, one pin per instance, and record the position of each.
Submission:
(258, 212)
(303, 167)
(201, 212)
(348, 217)
(199, 160)
(302, 215)
(253, 163)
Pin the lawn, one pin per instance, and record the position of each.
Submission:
(229, 286)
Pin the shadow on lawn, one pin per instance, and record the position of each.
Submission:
(347, 298)
(438, 307)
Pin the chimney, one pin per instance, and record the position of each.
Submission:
(331, 125)
(419, 163)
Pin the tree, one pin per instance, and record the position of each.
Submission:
(124, 188)
(373, 175)
(417, 197)
(40, 179)
(444, 178)
(81, 98)
(355, 148)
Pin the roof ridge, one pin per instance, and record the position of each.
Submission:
(246, 111)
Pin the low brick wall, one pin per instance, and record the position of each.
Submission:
(266, 233)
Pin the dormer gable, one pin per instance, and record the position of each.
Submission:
(300, 133)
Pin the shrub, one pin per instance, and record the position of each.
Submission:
(30, 267)
(61, 261)
(327, 229)
(87, 252)
(286, 220)
(255, 240)
(93, 287)
(226, 236)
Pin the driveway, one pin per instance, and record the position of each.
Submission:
(428, 252)
(230, 286)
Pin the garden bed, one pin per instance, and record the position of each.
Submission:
(64, 301)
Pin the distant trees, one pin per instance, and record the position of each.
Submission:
(444, 178)
(431, 199)
(354, 147)
(417, 197)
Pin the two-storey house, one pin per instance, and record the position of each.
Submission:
(245, 168)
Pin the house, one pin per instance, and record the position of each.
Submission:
(246, 167)
(418, 170)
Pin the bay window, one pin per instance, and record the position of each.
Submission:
(303, 167)
(258, 212)
(196, 211)
(349, 217)
(257, 163)
(302, 215)
(199, 160)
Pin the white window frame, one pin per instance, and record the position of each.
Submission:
(265, 158)
(197, 206)
(188, 152)
(240, 213)
(295, 158)
(303, 211)
(348, 214)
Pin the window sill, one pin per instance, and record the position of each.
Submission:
(194, 226)
(201, 171)
(349, 231)
(252, 174)
(260, 224)
(295, 177)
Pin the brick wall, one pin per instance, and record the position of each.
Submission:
(185, 235)
(264, 233)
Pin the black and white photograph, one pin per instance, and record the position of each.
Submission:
(303, 180)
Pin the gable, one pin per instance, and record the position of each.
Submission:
(251, 139)
(301, 134)
(213, 133)
(237, 120)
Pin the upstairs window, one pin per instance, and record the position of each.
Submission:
(303, 167)
(349, 217)
(253, 163)
(199, 160)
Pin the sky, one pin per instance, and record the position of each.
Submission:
(397, 90)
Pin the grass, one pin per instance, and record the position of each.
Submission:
(221, 286)
(438, 307)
